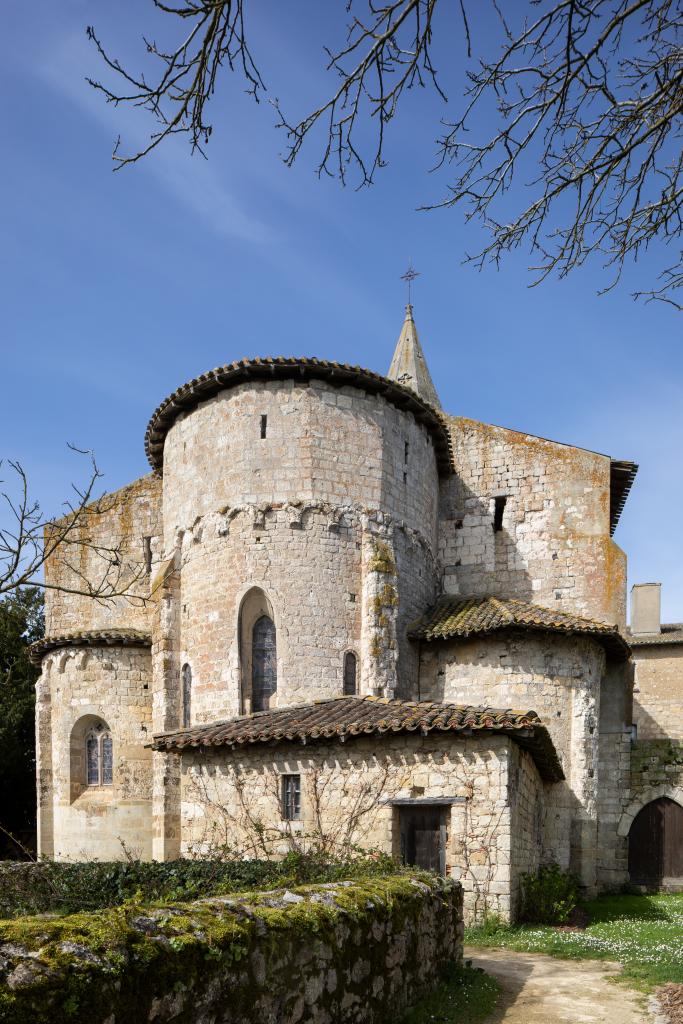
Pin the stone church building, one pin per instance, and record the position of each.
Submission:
(355, 620)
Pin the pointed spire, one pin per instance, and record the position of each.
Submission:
(409, 366)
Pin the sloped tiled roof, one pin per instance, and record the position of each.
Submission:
(90, 638)
(277, 368)
(344, 718)
(454, 617)
(672, 633)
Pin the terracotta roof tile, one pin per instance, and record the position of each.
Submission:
(90, 638)
(343, 718)
(458, 617)
(209, 384)
(672, 633)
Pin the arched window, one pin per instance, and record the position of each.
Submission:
(263, 663)
(99, 757)
(350, 686)
(186, 682)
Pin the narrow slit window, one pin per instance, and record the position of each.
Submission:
(187, 696)
(498, 511)
(264, 427)
(147, 553)
(405, 456)
(291, 797)
(350, 686)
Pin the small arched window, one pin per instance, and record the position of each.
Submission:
(186, 681)
(263, 664)
(350, 686)
(99, 757)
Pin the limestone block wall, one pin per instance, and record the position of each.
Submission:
(337, 445)
(342, 953)
(351, 796)
(332, 515)
(658, 691)
(554, 547)
(528, 807)
(80, 687)
(115, 530)
(559, 678)
(614, 772)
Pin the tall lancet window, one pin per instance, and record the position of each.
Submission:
(186, 681)
(350, 686)
(263, 663)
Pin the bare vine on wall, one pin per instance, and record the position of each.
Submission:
(339, 812)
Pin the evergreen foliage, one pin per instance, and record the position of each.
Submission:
(21, 622)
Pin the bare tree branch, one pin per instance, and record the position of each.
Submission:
(29, 541)
(588, 98)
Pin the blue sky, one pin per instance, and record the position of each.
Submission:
(116, 288)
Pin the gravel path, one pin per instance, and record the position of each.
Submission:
(541, 989)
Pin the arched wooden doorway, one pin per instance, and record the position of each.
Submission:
(655, 843)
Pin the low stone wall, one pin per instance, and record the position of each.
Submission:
(340, 953)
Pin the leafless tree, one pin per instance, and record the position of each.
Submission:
(588, 97)
(30, 541)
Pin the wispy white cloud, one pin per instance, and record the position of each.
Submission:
(194, 182)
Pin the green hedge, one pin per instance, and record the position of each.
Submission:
(50, 887)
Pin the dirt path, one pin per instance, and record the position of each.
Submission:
(540, 989)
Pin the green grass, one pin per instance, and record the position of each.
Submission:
(643, 933)
(467, 997)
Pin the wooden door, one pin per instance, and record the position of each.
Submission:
(655, 843)
(423, 841)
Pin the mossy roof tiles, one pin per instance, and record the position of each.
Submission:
(112, 637)
(671, 633)
(276, 368)
(455, 618)
(345, 718)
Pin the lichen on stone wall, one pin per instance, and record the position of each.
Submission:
(345, 951)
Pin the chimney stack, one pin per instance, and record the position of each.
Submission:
(646, 601)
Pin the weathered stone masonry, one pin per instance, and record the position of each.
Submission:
(340, 505)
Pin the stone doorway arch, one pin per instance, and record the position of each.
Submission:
(654, 828)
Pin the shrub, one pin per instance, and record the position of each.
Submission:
(50, 887)
(548, 895)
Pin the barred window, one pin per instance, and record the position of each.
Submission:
(99, 757)
(187, 696)
(350, 687)
(291, 797)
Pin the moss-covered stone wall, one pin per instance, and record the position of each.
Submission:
(341, 952)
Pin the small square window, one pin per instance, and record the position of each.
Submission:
(291, 797)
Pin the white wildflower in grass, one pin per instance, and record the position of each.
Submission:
(643, 933)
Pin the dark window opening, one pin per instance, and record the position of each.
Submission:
(291, 797)
(187, 696)
(264, 426)
(498, 510)
(147, 553)
(264, 664)
(405, 457)
(350, 662)
(405, 478)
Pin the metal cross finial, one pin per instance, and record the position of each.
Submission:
(409, 277)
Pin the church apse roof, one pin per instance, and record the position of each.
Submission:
(276, 368)
(112, 637)
(346, 718)
(454, 618)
